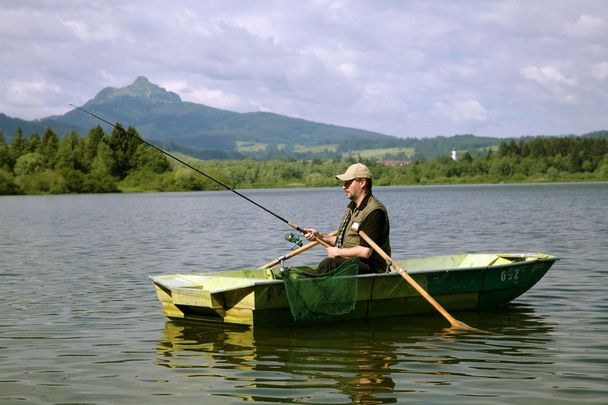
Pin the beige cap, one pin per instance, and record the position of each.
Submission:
(356, 171)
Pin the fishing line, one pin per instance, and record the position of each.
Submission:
(294, 226)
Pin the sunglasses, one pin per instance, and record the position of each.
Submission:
(348, 183)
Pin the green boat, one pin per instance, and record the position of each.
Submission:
(469, 281)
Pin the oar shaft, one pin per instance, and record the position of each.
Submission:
(295, 252)
(322, 242)
(289, 255)
(411, 281)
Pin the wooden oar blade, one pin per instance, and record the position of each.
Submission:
(453, 321)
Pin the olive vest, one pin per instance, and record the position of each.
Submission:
(347, 237)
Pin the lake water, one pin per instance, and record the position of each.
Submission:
(81, 323)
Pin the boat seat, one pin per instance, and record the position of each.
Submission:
(478, 260)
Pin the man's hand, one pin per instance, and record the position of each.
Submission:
(312, 234)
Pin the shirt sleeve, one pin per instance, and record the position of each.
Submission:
(373, 226)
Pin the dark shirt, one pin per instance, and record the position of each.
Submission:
(373, 226)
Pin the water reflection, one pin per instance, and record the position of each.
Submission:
(283, 365)
(372, 361)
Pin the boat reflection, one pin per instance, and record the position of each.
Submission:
(359, 361)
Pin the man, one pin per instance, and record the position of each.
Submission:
(372, 218)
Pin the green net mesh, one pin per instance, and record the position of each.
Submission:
(314, 297)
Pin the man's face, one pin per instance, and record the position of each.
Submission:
(354, 188)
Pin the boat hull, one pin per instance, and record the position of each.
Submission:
(457, 282)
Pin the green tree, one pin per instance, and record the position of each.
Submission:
(123, 145)
(74, 180)
(99, 184)
(6, 160)
(149, 159)
(186, 179)
(103, 162)
(501, 169)
(18, 145)
(48, 147)
(45, 182)
(7, 183)
(28, 164)
(70, 153)
(552, 174)
(602, 169)
(33, 143)
(95, 136)
(466, 157)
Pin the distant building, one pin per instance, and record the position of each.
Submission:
(454, 155)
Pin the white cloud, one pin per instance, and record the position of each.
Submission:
(586, 26)
(547, 75)
(556, 85)
(600, 71)
(211, 97)
(461, 111)
(348, 70)
(110, 79)
(87, 32)
(178, 86)
(405, 68)
(30, 99)
(29, 93)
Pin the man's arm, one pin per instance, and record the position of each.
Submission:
(355, 251)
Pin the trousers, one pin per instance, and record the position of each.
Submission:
(331, 263)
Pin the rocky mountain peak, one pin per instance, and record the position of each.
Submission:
(141, 89)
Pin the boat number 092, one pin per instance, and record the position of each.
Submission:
(509, 275)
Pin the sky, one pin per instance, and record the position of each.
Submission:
(403, 68)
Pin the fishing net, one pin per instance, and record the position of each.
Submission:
(320, 296)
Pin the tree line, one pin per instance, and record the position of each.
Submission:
(101, 163)
(97, 163)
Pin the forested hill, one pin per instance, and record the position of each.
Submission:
(161, 116)
(210, 133)
(207, 133)
(9, 126)
(99, 162)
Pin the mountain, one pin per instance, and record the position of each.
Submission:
(162, 117)
(9, 126)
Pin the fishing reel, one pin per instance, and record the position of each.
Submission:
(295, 239)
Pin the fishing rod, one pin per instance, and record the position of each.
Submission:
(294, 226)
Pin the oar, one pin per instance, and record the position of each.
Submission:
(453, 321)
(296, 252)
